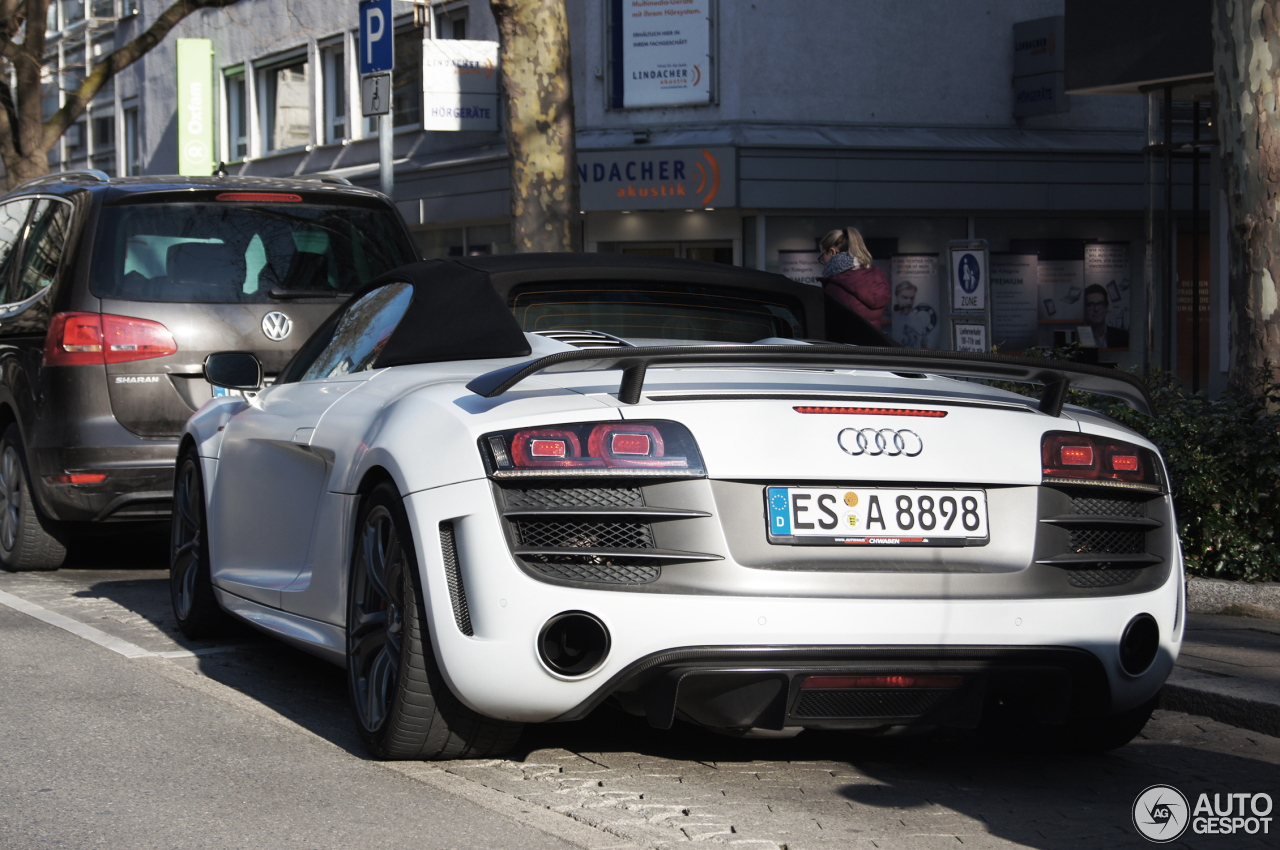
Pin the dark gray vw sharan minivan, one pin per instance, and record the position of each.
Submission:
(115, 292)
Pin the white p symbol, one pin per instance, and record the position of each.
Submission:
(371, 15)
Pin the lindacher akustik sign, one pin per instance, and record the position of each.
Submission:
(658, 178)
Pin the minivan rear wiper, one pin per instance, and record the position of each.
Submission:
(276, 292)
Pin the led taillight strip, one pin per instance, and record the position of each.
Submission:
(875, 411)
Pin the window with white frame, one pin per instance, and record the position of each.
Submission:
(334, 73)
(237, 116)
(284, 104)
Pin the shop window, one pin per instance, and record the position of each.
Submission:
(285, 105)
(438, 244)
(237, 117)
(333, 68)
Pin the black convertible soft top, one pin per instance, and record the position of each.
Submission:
(461, 310)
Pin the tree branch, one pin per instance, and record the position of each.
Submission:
(116, 62)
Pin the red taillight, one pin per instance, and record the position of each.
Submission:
(268, 197)
(1124, 463)
(874, 411)
(95, 339)
(77, 478)
(1076, 455)
(855, 682)
(1082, 457)
(613, 448)
(547, 448)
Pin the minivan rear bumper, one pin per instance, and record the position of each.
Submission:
(138, 484)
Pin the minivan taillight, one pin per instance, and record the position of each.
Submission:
(96, 339)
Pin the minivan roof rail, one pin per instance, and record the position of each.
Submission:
(67, 176)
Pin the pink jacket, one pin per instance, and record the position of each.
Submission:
(864, 291)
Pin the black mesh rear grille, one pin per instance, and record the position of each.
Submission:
(898, 702)
(453, 578)
(1118, 507)
(599, 569)
(1108, 541)
(569, 534)
(1101, 578)
(573, 497)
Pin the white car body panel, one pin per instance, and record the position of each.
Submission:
(282, 514)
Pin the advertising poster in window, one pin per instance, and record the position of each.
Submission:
(661, 52)
(916, 305)
(1106, 293)
(800, 266)
(1061, 290)
(1014, 290)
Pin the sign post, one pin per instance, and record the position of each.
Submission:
(969, 266)
(195, 107)
(378, 57)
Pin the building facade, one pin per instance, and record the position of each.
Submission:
(897, 119)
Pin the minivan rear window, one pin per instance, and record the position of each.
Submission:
(232, 253)
(652, 310)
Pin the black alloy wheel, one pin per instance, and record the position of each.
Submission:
(26, 541)
(376, 623)
(190, 584)
(404, 708)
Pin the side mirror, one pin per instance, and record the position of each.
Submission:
(233, 370)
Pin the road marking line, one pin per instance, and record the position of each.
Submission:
(77, 628)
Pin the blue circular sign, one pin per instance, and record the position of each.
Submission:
(969, 273)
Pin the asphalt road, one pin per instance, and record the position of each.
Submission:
(246, 743)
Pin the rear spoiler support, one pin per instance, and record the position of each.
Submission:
(1057, 376)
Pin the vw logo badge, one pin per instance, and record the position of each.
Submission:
(883, 441)
(276, 326)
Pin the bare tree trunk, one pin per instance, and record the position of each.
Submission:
(25, 137)
(1246, 61)
(534, 35)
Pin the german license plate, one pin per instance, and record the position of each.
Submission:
(875, 516)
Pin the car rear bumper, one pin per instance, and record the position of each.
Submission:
(497, 669)
(138, 484)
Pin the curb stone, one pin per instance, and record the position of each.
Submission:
(1245, 703)
(1239, 598)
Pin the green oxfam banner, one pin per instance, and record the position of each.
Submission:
(195, 106)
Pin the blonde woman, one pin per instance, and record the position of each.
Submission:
(849, 277)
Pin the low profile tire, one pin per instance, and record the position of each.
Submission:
(190, 585)
(404, 708)
(26, 538)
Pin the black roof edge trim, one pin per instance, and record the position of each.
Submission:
(1057, 376)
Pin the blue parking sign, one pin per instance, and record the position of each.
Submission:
(377, 37)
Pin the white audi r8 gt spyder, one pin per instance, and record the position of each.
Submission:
(508, 490)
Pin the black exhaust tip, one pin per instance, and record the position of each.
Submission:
(1139, 644)
(573, 643)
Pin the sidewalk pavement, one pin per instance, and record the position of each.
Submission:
(1229, 670)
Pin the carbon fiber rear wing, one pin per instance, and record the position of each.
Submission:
(1057, 376)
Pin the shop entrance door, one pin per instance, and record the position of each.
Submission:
(711, 252)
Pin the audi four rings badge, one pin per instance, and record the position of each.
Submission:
(276, 325)
(885, 441)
